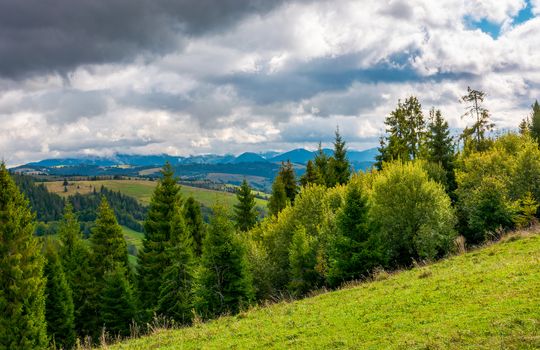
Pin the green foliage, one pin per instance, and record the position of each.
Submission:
(117, 304)
(322, 169)
(405, 131)
(175, 293)
(528, 207)
(475, 136)
(340, 168)
(158, 225)
(412, 213)
(440, 147)
(245, 213)
(354, 251)
(76, 258)
(288, 178)
(22, 301)
(59, 310)
(310, 176)
(302, 262)
(223, 281)
(195, 224)
(278, 198)
(535, 121)
(47, 206)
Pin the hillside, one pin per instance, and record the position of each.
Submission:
(485, 299)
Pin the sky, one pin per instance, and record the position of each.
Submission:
(95, 77)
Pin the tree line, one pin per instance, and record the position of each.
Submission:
(328, 227)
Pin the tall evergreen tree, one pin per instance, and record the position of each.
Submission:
(154, 259)
(22, 301)
(310, 176)
(340, 166)
(288, 178)
(59, 310)
(224, 284)
(76, 261)
(475, 136)
(302, 261)
(278, 198)
(535, 121)
(176, 291)
(194, 224)
(245, 213)
(439, 145)
(353, 252)
(117, 303)
(321, 166)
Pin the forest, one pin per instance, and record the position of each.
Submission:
(431, 194)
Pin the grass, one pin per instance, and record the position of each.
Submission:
(485, 299)
(142, 191)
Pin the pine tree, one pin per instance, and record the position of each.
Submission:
(475, 136)
(535, 121)
(288, 178)
(22, 301)
(76, 261)
(195, 224)
(245, 213)
(321, 166)
(223, 283)
(153, 259)
(439, 145)
(176, 295)
(59, 311)
(310, 176)
(278, 198)
(117, 305)
(339, 164)
(352, 254)
(108, 243)
(524, 126)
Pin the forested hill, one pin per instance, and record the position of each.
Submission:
(49, 206)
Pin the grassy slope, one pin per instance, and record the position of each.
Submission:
(487, 299)
(142, 191)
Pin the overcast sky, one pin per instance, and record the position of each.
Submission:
(226, 76)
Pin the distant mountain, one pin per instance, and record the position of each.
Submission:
(249, 157)
(299, 155)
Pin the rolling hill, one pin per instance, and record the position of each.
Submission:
(485, 299)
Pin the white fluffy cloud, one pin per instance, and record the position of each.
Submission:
(281, 79)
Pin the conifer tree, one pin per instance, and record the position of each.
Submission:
(76, 261)
(176, 291)
(194, 224)
(22, 300)
(288, 178)
(439, 145)
(321, 166)
(278, 198)
(339, 164)
(224, 284)
(535, 121)
(245, 213)
(59, 311)
(475, 136)
(153, 259)
(353, 253)
(302, 261)
(117, 304)
(310, 176)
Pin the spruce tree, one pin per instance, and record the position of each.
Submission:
(76, 261)
(310, 176)
(176, 291)
(153, 258)
(117, 304)
(339, 164)
(352, 253)
(194, 224)
(321, 166)
(278, 198)
(475, 136)
(59, 310)
(288, 178)
(245, 213)
(302, 262)
(439, 145)
(535, 121)
(22, 300)
(224, 284)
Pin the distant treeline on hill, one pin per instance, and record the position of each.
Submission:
(49, 206)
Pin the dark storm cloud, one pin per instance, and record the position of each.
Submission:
(41, 36)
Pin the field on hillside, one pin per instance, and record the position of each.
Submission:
(486, 299)
(142, 191)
